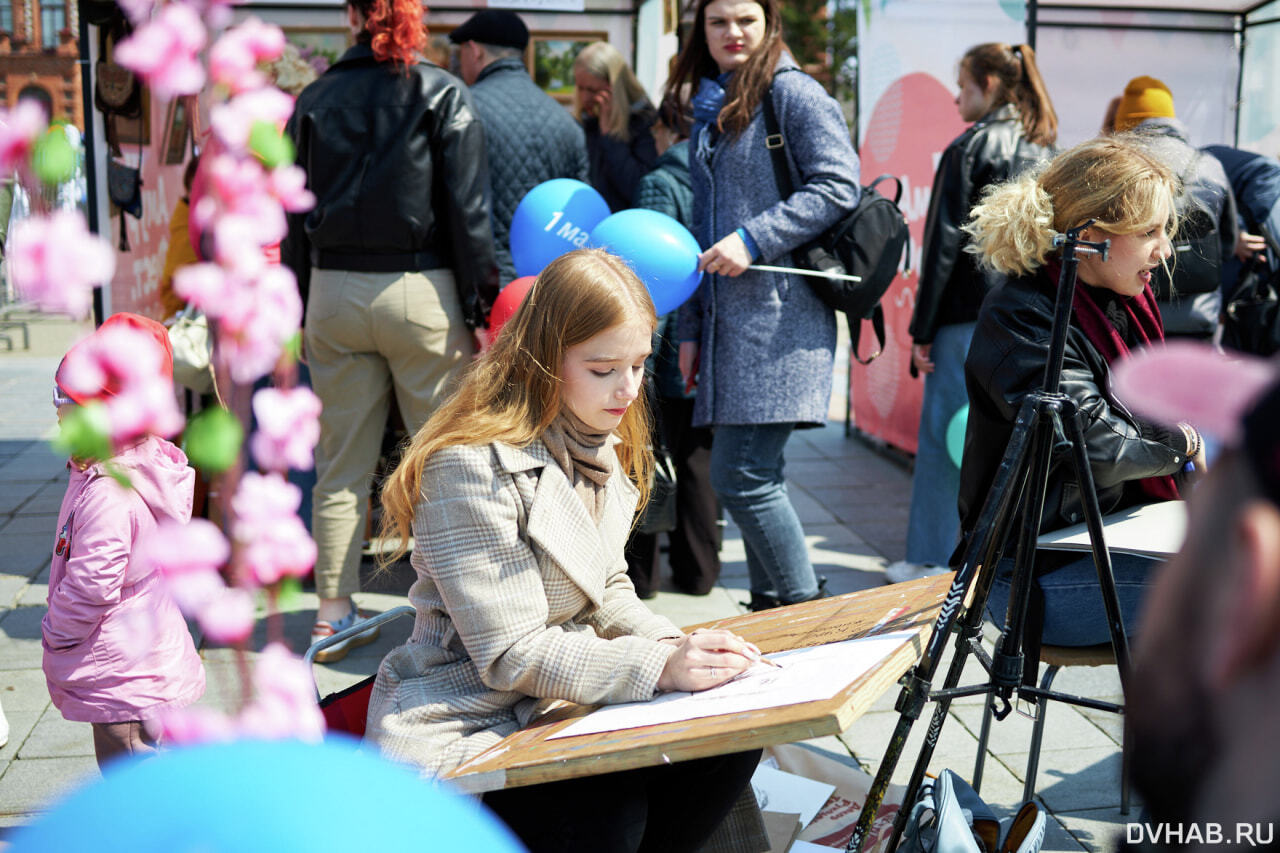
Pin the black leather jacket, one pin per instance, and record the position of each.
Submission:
(397, 163)
(952, 286)
(1006, 362)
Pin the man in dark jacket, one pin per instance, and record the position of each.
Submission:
(396, 266)
(1207, 229)
(530, 137)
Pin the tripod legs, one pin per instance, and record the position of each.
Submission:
(1016, 494)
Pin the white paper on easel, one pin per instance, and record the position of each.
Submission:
(1150, 530)
(779, 791)
(806, 675)
(809, 847)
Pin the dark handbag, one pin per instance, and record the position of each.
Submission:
(124, 188)
(869, 242)
(1251, 319)
(660, 512)
(660, 515)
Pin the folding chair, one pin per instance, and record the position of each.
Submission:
(346, 710)
(1057, 657)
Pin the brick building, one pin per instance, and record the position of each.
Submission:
(38, 48)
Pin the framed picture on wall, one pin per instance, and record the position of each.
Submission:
(177, 132)
(550, 60)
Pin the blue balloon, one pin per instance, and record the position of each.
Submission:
(661, 251)
(955, 434)
(554, 217)
(264, 796)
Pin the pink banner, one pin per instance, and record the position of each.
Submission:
(910, 126)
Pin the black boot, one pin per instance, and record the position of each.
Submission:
(761, 601)
(821, 593)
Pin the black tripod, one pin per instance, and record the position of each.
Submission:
(1047, 421)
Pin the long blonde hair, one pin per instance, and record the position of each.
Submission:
(603, 61)
(1111, 179)
(512, 392)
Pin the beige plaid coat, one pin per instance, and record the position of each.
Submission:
(520, 597)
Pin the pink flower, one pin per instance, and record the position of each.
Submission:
(137, 10)
(56, 262)
(228, 616)
(121, 367)
(165, 51)
(194, 724)
(284, 703)
(188, 557)
(257, 323)
(234, 58)
(288, 428)
(274, 542)
(289, 186)
(232, 121)
(19, 130)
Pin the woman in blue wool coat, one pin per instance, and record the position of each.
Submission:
(760, 345)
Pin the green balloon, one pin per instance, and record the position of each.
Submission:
(53, 159)
(955, 434)
(269, 145)
(212, 440)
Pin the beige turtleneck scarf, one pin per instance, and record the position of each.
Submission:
(586, 457)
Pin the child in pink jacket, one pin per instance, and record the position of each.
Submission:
(116, 648)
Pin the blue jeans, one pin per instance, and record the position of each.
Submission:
(1074, 614)
(746, 474)
(933, 526)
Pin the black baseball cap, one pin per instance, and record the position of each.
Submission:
(498, 27)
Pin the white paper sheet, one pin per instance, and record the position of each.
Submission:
(779, 791)
(819, 672)
(809, 847)
(1149, 530)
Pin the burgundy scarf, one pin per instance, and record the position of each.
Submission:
(1147, 328)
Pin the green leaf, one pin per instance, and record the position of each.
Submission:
(289, 595)
(212, 440)
(293, 346)
(270, 145)
(53, 159)
(84, 432)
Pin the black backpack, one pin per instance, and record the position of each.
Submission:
(867, 242)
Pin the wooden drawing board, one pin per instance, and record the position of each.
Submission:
(527, 757)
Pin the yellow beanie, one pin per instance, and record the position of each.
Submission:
(1144, 98)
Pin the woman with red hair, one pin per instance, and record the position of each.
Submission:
(395, 263)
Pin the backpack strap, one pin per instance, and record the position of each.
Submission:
(855, 334)
(776, 143)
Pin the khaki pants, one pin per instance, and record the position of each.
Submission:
(366, 334)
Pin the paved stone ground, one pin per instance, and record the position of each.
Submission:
(851, 497)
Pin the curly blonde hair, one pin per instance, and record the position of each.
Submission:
(1113, 180)
(511, 393)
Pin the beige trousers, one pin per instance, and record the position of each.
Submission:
(366, 335)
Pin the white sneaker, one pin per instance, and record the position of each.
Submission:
(4, 728)
(902, 571)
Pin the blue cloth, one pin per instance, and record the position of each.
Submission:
(933, 525)
(1074, 614)
(747, 476)
(767, 340)
(749, 242)
(708, 101)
